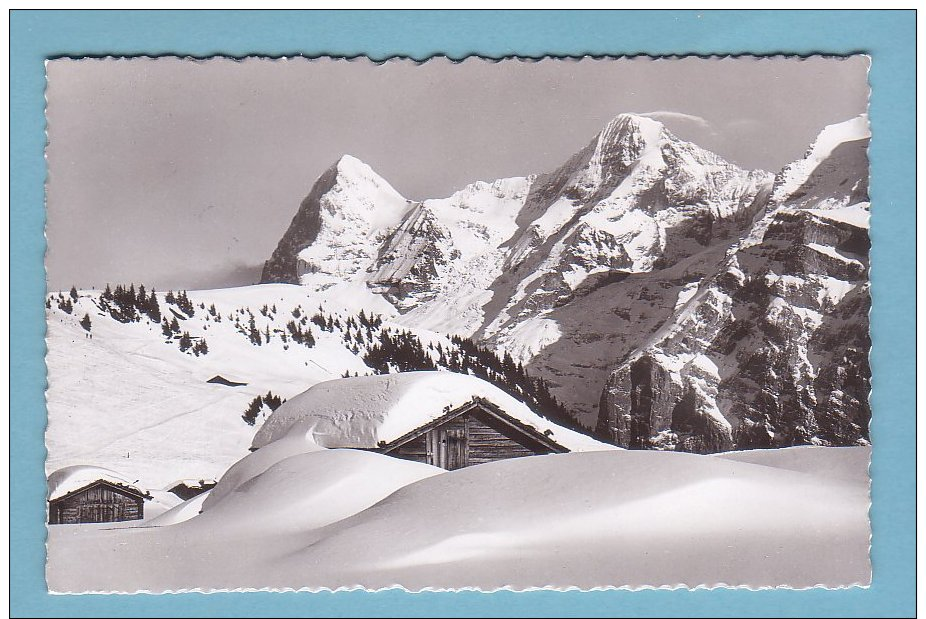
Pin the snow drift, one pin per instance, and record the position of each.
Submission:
(333, 519)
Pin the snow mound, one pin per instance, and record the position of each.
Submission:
(364, 411)
(825, 462)
(257, 462)
(655, 519)
(311, 490)
(160, 503)
(344, 518)
(182, 512)
(71, 478)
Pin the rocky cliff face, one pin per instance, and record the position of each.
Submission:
(770, 350)
(674, 300)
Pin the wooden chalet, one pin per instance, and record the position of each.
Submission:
(474, 433)
(98, 501)
(445, 419)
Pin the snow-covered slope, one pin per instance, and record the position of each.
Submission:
(365, 411)
(130, 400)
(771, 348)
(346, 519)
(125, 395)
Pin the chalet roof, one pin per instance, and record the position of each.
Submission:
(71, 479)
(368, 411)
(487, 407)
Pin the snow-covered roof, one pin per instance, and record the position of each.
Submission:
(71, 478)
(364, 411)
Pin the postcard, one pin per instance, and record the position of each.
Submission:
(322, 324)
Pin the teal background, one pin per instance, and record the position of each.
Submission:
(888, 36)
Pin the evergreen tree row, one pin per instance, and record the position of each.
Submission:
(182, 302)
(171, 330)
(272, 402)
(299, 335)
(128, 305)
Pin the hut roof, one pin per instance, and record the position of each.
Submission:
(71, 478)
(365, 411)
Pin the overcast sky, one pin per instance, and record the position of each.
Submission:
(184, 173)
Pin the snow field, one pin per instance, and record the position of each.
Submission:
(332, 519)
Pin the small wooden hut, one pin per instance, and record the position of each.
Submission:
(98, 501)
(474, 433)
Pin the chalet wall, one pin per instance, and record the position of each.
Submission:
(415, 450)
(484, 439)
(96, 504)
(487, 444)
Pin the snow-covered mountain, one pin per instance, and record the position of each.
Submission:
(498, 260)
(771, 348)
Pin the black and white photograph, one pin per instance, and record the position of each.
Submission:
(580, 323)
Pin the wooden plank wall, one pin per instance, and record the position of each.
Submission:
(415, 450)
(486, 439)
(487, 444)
(97, 504)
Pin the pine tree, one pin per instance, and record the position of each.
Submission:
(185, 341)
(154, 309)
(175, 325)
(85, 322)
(73, 293)
(253, 333)
(167, 329)
(107, 294)
(250, 414)
(273, 402)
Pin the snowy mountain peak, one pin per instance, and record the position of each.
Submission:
(839, 152)
(356, 177)
(348, 211)
(625, 139)
(833, 135)
(629, 124)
